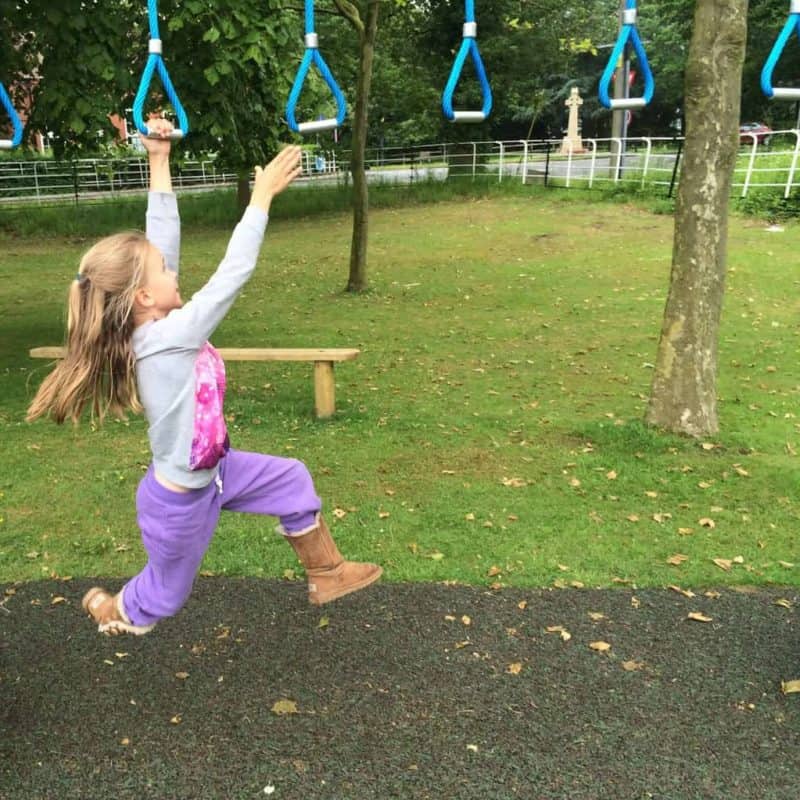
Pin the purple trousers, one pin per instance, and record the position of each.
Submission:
(177, 527)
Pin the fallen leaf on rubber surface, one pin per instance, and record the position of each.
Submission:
(523, 604)
(697, 616)
(466, 620)
(684, 592)
(790, 687)
(323, 622)
(472, 747)
(596, 615)
(176, 720)
(181, 676)
(632, 666)
(515, 668)
(560, 630)
(56, 600)
(677, 559)
(600, 647)
(783, 602)
(283, 707)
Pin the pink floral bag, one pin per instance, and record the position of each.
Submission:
(210, 441)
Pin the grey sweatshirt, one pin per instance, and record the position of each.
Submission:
(180, 378)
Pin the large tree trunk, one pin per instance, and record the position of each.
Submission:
(357, 280)
(683, 395)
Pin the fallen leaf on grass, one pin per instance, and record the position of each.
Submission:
(661, 517)
(707, 522)
(632, 517)
(677, 559)
(697, 616)
(493, 570)
(790, 687)
(515, 483)
(600, 647)
(611, 475)
(723, 563)
(786, 564)
(283, 707)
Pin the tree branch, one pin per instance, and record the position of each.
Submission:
(350, 13)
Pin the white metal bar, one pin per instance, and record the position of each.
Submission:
(749, 172)
(594, 161)
(649, 142)
(790, 179)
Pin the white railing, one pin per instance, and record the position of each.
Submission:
(636, 162)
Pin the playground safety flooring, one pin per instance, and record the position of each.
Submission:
(404, 691)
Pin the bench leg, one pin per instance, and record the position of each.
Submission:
(324, 391)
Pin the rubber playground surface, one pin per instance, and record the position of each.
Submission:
(404, 691)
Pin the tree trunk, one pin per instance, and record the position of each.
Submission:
(243, 191)
(683, 396)
(357, 281)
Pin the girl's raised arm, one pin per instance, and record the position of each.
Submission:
(163, 222)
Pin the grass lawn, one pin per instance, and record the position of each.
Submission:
(490, 430)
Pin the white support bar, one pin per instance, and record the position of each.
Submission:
(790, 179)
(318, 125)
(524, 161)
(6, 144)
(629, 16)
(628, 102)
(794, 7)
(786, 94)
(594, 161)
(470, 30)
(619, 157)
(750, 164)
(570, 149)
(155, 46)
(468, 116)
(649, 142)
(312, 41)
(500, 166)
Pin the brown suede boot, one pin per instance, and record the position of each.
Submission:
(329, 575)
(109, 614)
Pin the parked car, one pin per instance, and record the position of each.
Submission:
(762, 133)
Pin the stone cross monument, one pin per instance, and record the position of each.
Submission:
(572, 141)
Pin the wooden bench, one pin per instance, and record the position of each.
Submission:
(323, 358)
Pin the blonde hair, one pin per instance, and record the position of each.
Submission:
(98, 368)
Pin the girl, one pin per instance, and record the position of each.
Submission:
(133, 344)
